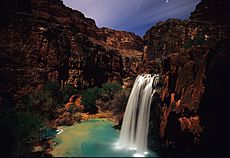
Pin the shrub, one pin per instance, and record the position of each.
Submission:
(26, 130)
(89, 100)
(43, 103)
(97, 91)
(108, 90)
(52, 86)
(61, 96)
(119, 101)
(18, 127)
(193, 42)
(20, 123)
(68, 91)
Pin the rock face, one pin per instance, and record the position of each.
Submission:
(130, 47)
(193, 57)
(43, 40)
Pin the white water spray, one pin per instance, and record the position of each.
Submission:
(134, 130)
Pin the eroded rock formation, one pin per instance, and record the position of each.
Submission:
(193, 57)
(45, 41)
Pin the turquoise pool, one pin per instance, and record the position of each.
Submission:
(92, 138)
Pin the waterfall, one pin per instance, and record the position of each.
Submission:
(134, 130)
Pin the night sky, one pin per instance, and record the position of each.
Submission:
(132, 15)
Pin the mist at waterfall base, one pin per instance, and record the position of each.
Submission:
(98, 138)
(135, 125)
(91, 138)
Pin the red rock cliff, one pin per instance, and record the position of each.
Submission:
(193, 57)
(43, 40)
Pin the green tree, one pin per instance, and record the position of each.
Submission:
(68, 91)
(19, 128)
(25, 132)
(108, 90)
(52, 86)
(43, 103)
(89, 100)
(198, 40)
(97, 91)
(119, 102)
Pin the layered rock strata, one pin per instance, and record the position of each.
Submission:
(44, 41)
(193, 57)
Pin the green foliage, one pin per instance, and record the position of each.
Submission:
(108, 90)
(68, 91)
(97, 91)
(73, 108)
(52, 86)
(193, 42)
(88, 99)
(27, 125)
(31, 113)
(20, 123)
(61, 96)
(105, 93)
(19, 128)
(119, 101)
(26, 132)
(44, 103)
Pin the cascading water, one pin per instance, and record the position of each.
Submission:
(134, 130)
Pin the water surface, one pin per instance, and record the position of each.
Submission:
(92, 138)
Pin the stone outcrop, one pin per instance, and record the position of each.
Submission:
(43, 40)
(193, 57)
(130, 47)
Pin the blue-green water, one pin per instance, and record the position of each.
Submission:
(92, 138)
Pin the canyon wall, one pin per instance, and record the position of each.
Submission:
(43, 40)
(193, 57)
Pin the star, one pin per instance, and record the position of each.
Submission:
(167, 1)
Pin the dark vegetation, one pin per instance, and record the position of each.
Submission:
(21, 122)
(89, 100)
(100, 96)
(198, 40)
